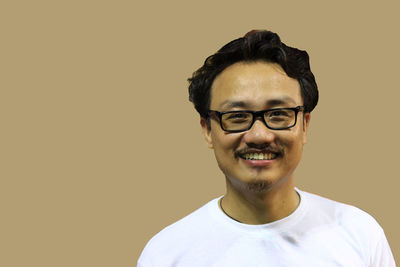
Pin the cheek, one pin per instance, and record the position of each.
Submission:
(225, 144)
(221, 139)
(292, 144)
(294, 152)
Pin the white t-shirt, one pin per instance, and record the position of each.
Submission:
(320, 232)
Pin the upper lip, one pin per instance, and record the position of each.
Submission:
(252, 151)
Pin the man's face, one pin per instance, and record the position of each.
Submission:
(256, 86)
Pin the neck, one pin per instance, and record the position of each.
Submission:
(263, 207)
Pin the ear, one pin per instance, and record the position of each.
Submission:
(306, 123)
(206, 127)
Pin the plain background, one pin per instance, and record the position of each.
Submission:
(101, 149)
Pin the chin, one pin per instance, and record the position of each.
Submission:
(259, 181)
(252, 184)
(258, 186)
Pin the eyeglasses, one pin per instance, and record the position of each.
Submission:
(243, 120)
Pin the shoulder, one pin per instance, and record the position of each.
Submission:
(352, 224)
(198, 219)
(179, 234)
(352, 228)
(340, 213)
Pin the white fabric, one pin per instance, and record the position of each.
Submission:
(320, 232)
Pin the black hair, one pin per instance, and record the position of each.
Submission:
(256, 45)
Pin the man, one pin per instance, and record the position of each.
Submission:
(254, 97)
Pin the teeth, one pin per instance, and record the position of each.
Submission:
(259, 156)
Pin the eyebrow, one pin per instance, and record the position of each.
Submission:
(270, 103)
(234, 104)
(281, 101)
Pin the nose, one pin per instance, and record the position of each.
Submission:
(259, 134)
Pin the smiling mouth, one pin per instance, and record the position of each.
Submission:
(259, 156)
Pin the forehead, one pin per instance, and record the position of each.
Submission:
(254, 85)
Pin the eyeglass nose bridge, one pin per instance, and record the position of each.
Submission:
(259, 114)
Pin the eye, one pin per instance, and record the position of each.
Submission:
(237, 117)
(279, 113)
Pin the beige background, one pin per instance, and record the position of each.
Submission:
(101, 149)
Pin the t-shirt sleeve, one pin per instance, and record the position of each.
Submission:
(142, 262)
(145, 259)
(382, 256)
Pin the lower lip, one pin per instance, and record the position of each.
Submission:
(258, 163)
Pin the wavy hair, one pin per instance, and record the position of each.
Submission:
(256, 45)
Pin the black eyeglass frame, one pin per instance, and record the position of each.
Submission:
(255, 115)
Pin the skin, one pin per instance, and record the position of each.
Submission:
(257, 194)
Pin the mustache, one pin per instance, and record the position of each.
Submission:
(268, 148)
